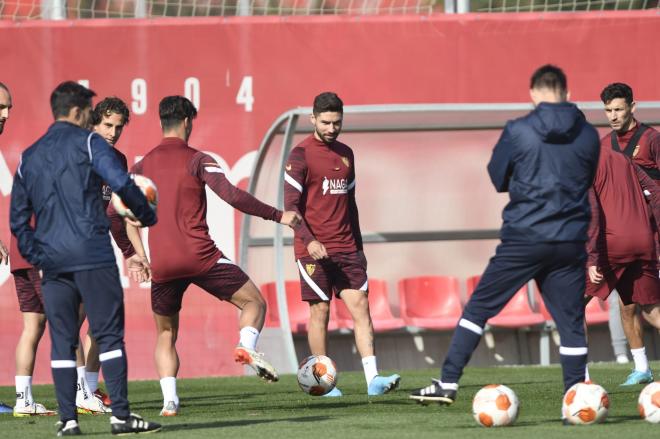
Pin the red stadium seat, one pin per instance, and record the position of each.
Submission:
(516, 314)
(595, 313)
(379, 306)
(430, 302)
(298, 310)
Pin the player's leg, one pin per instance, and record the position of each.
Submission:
(642, 288)
(350, 279)
(28, 289)
(562, 283)
(92, 368)
(617, 334)
(511, 267)
(103, 297)
(166, 298)
(86, 401)
(61, 303)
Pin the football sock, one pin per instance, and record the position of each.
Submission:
(639, 357)
(23, 390)
(115, 372)
(168, 386)
(249, 337)
(449, 386)
(587, 378)
(370, 368)
(463, 343)
(82, 381)
(92, 380)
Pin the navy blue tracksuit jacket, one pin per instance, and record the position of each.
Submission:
(59, 179)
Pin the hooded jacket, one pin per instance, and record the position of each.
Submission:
(546, 160)
(59, 181)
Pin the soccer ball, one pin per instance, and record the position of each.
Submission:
(495, 405)
(649, 403)
(147, 187)
(317, 375)
(585, 403)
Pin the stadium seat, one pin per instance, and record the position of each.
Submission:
(595, 313)
(430, 302)
(379, 306)
(298, 310)
(516, 314)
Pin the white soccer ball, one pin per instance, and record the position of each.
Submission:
(585, 403)
(147, 187)
(649, 403)
(317, 375)
(495, 405)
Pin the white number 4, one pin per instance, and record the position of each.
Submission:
(244, 96)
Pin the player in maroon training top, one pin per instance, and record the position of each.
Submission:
(641, 143)
(320, 185)
(28, 290)
(183, 253)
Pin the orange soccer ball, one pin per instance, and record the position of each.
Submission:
(147, 187)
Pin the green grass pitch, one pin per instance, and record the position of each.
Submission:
(246, 407)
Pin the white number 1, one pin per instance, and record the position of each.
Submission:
(244, 96)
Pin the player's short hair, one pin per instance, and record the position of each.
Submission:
(2, 85)
(172, 110)
(68, 95)
(107, 107)
(549, 77)
(328, 101)
(617, 90)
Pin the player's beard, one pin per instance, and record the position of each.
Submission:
(326, 139)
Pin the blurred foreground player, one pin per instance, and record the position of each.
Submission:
(58, 181)
(546, 161)
(320, 185)
(183, 253)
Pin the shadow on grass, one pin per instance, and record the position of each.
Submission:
(238, 423)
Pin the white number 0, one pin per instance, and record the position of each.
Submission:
(244, 96)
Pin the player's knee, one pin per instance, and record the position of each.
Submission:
(319, 311)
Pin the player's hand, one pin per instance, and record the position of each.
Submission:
(4, 253)
(594, 275)
(133, 222)
(139, 269)
(291, 219)
(317, 250)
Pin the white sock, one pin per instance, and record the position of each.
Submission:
(639, 357)
(92, 380)
(449, 386)
(249, 337)
(23, 390)
(82, 382)
(168, 386)
(586, 374)
(370, 368)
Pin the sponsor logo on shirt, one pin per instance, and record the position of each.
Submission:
(335, 186)
(106, 191)
(310, 268)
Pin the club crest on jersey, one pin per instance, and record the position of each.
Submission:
(335, 186)
(288, 166)
(346, 161)
(310, 268)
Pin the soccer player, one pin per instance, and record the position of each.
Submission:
(641, 143)
(58, 181)
(181, 174)
(320, 185)
(546, 160)
(109, 118)
(5, 106)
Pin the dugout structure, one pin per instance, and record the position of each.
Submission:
(394, 118)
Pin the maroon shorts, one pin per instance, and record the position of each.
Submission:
(28, 290)
(221, 281)
(342, 271)
(636, 282)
